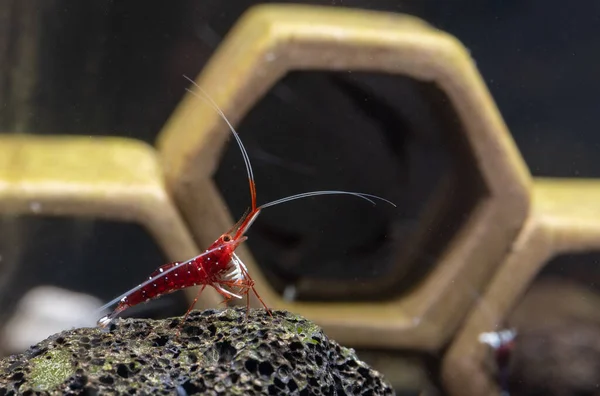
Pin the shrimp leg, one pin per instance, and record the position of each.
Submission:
(188, 311)
(246, 275)
(228, 296)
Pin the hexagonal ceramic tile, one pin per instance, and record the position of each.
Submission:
(271, 40)
(121, 180)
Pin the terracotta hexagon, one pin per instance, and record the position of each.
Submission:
(271, 40)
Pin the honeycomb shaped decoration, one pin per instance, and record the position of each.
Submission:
(95, 177)
(564, 219)
(271, 40)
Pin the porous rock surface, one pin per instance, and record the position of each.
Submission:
(217, 353)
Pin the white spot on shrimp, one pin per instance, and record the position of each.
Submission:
(149, 278)
(154, 284)
(160, 269)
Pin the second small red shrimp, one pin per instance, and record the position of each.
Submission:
(219, 266)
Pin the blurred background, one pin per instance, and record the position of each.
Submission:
(115, 69)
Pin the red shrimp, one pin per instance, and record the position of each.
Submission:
(218, 266)
(503, 344)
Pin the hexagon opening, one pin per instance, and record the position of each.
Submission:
(386, 134)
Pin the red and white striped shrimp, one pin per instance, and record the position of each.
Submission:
(218, 266)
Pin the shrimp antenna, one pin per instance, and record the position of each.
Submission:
(206, 97)
(366, 197)
(246, 222)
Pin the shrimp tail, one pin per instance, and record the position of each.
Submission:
(107, 319)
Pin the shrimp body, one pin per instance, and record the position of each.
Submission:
(215, 266)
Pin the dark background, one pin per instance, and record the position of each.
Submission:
(105, 67)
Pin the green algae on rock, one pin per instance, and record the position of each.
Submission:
(218, 353)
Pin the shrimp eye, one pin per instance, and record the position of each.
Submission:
(226, 238)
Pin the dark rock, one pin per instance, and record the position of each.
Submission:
(218, 353)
